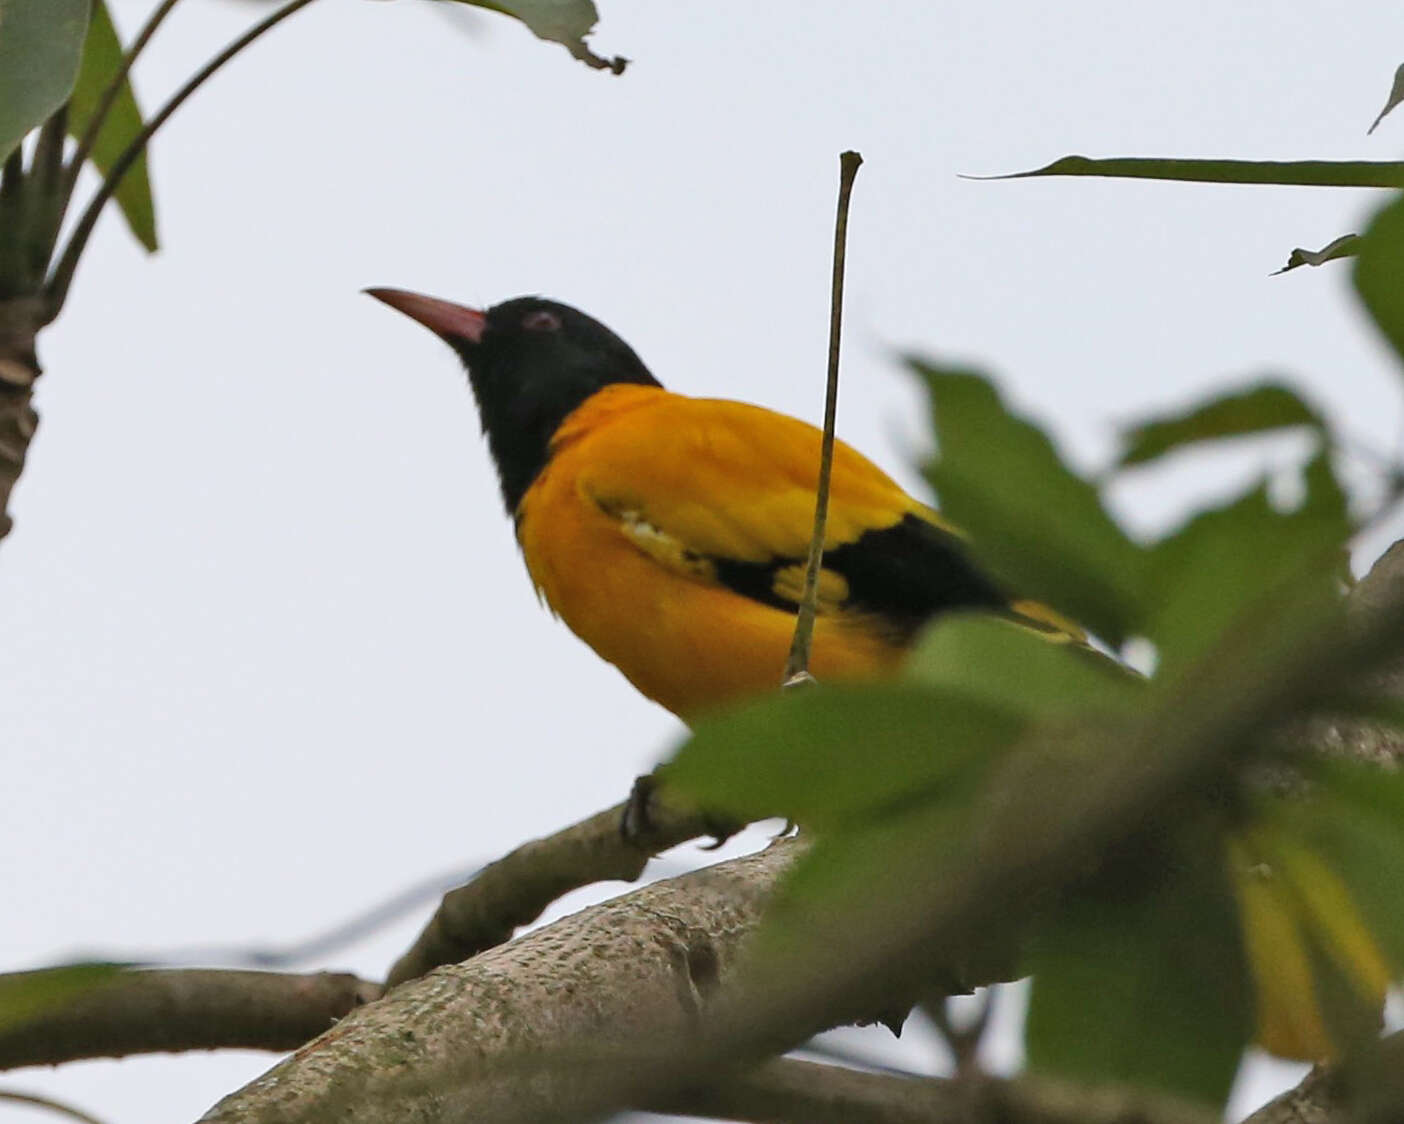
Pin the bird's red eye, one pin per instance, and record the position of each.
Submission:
(541, 321)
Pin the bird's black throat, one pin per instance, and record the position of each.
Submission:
(535, 363)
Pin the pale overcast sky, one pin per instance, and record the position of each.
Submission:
(271, 654)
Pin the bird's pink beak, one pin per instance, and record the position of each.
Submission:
(443, 318)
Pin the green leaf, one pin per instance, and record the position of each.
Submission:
(832, 754)
(26, 995)
(861, 878)
(1146, 986)
(567, 22)
(1396, 95)
(1346, 246)
(1019, 669)
(1231, 560)
(102, 56)
(1264, 407)
(1302, 173)
(1357, 826)
(1037, 526)
(1378, 270)
(41, 42)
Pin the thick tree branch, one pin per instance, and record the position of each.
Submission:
(159, 1010)
(515, 1032)
(515, 889)
(1364, 1090)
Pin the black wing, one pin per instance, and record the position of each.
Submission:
(903, 575)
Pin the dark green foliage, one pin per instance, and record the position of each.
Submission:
(1013, 667)
(1259, 409)
(794, 754)
(1233, 560)
(1140, 966)
(1379, 273)
(39, 53)
(1141, 979)
(1038, 527)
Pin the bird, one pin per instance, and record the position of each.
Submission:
(670, 533)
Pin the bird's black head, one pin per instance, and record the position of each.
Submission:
(531, 362)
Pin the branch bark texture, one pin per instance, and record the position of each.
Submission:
(19, 368)
(516, 1032)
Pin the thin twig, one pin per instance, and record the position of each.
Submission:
(112, 91)
(56, 291)
(786, 1089)
(797, 666)
(163, 1010)
(34, 1100)
(282, 957)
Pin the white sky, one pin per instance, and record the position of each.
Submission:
(270, 651)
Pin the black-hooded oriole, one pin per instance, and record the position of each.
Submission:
(670, 533)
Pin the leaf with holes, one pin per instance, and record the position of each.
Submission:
(1346, 246)
(567, 22)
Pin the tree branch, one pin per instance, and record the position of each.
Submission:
(1362, 1090)
(517, 1031)
(19, 367)
(789, 1091)
(158, 1010)
(515, 889)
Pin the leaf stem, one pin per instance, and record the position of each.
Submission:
(56, 291)
(12, 178)
(45, 195)
(797, 666)
(47, 161)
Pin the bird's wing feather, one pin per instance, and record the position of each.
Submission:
(724, 492)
